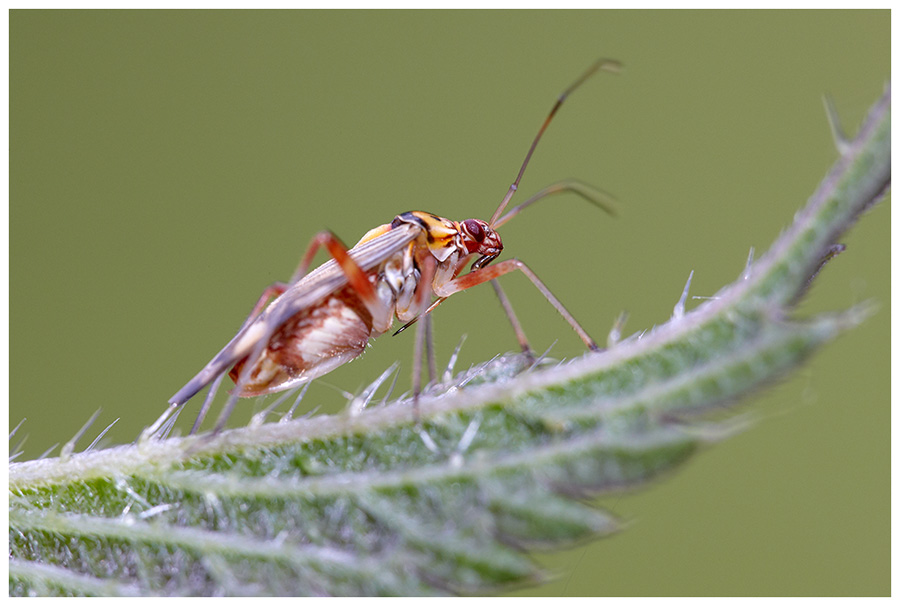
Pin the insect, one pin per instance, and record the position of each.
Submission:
(325, 317)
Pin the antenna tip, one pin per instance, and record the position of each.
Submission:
(610, 65)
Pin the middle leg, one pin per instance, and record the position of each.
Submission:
(490, 272)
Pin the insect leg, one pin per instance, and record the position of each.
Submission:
(227, 356)
(275, 290)
(511, 316)
(504, 267)
(417, 368)
(207, 402)
(272, 291)
(237, 348)
(356, 278)
(241, 381)
(209, 373)
(422, 296)
(429, 348)
(507, 308)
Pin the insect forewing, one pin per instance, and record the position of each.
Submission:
(308, 291)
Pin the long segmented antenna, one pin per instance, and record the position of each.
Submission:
(608, 65)
(598, 198)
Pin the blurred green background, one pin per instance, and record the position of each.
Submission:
(166, 166)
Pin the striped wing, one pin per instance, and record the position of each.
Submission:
(310, 290)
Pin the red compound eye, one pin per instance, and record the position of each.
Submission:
(473, 227)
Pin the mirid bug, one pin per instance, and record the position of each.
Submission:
(404, 269)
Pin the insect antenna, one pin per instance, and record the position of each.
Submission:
(604, 64)
(597, 197)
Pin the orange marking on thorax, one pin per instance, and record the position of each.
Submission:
(374, 233)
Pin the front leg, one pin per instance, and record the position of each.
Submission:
(479, 276)
(357, 279)
(256, 332)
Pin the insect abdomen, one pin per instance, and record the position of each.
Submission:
(309, 344)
